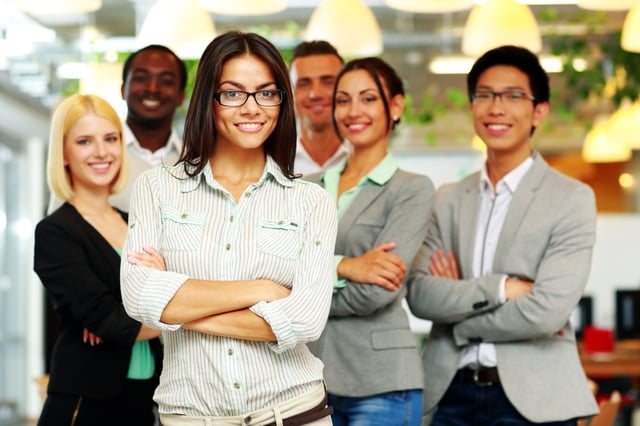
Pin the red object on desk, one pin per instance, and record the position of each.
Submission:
(597, 340)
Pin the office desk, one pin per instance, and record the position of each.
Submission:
(623, 361)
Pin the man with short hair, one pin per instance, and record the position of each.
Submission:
(314, 67)
(505, 262)
(154, 79)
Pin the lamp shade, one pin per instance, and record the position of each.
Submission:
(58, 7)
(600, 147)
(607, 4)
(630, 37)
(244, 7)
(624, 124)
(349, 25)
(429, 6)
(498, 22)
(183, 26)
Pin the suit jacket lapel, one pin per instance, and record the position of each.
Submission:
(109, 254)
(363, 200)
(468, 222)
(522, 199)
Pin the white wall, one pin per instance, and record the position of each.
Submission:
(615, 264)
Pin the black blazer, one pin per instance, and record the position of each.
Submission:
(81, 272)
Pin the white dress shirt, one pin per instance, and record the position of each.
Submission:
(305, 165)
(280, 229)
(494, 207)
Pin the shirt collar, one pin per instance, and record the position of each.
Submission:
(511, 180)
(174, 141)
(271, 171)
(379, 175)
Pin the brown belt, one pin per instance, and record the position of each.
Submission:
(483, 376)
(316, 413)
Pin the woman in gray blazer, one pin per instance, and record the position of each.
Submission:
(372, 365)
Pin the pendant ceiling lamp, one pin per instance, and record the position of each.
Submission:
(244, 7)
(498, 22)
(349, 25)
(607, 4)
(183, 26)
(624, 124)
(630, 38)
(58, 7)
(600, 147)
(429, 6)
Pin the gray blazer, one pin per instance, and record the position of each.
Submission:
(547, 237)
(367, 346)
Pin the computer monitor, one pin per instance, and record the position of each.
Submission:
(627, 314)
(582, 315)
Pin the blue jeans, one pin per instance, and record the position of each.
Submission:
(466, 404)
(401, 408)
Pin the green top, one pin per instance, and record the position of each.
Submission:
(142, 365)
(380, 175)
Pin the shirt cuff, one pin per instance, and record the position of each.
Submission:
(338, 282)
(502, 292)
(162, 286)
(280, 325)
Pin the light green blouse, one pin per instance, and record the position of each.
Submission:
(142, 365)
(380, 175)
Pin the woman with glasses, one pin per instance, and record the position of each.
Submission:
(372, 366)
(248, 251)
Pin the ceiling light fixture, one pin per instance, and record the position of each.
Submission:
(349, 25)
(244, 7)
(463, 64)
(630, 38)
(624, 124)
(609, 5)
(600, 147)
(496, 22)
(183, 26)
(429, 6)
(58, 7)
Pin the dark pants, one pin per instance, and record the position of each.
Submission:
(468, 404)
(134, 406)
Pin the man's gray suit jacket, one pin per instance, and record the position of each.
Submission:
(547, 238)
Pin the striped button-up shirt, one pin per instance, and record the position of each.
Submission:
(280, 229)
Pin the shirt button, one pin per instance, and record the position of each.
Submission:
(231, 218)
(281, 222)
(248, 194)
(247, 420)
(230, 351)
(227, 247)
(236, 385)
(183, 215)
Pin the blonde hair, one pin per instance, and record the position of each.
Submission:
(66, 114)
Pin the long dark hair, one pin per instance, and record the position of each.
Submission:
(200, 133)
(380, 72)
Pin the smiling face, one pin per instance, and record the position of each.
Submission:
(152, 87)
(505, 125)
(92, 153)
(313, 78)
(245, 127)
(359, 110)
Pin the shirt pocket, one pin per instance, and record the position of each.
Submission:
(278, 237)
(182, 231)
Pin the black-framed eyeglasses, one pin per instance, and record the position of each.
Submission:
(237, 98)
(508, 96)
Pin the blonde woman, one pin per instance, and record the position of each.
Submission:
(105, 365)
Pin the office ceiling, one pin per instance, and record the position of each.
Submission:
(409, 39)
